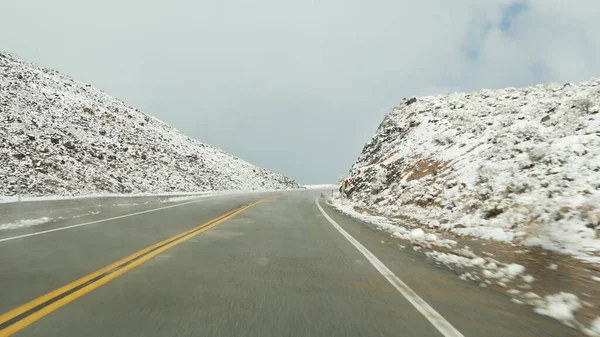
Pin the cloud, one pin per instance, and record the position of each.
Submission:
(522, 43)
(299, 87)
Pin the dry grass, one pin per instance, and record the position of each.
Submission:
(382, 158)
(421, 169)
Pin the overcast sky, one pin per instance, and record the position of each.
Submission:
(298, 87)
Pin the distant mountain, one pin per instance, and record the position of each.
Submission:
(519, 165)
(63, 137)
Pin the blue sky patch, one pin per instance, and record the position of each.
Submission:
(474, 40)
(510, 13)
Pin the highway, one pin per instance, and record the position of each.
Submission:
(259, 264)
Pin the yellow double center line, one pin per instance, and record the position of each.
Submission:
(28, 313)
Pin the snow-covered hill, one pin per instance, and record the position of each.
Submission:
(517, 165)
(63, 137)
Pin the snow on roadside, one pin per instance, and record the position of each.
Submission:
(25, 223)
(487, 271)
(85, 214)
(453, 260)
(488, 233)
(22, 223)
(595, 327)
(415, 236)
(379, 221)
(4, 199)
(560, 306)
(178, 199)
(320, 187)
(13, 199)
(486, 268)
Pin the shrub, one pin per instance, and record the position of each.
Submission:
(583, 105)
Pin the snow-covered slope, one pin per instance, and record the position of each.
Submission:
(518, 165)
(64, 137)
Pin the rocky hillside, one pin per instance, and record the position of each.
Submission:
(63, 137)
(515, 165)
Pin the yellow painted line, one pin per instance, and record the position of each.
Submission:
(96, 279)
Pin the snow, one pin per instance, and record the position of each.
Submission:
(560, 306)
(488, 233)
(431, 237)
(417, 234)
(553, 266)
(85, 214)
(596, 278)
(11, 199)
(60, 137)
(532, 296)
(508, 272)
(450, 259)
(514, 269)
(321, 187)
(492, 270)
(458, 260)
(528, 278)
(514, 165)
(25, 223)
(595, 327)
(382, 223)
(178, 199)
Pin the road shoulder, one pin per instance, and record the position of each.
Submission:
(472, 310)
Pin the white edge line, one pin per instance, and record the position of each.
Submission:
(424, 308)
(97, 221)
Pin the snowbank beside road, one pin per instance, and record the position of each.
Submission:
(14, 198)
(166, 196)
(322, 186)
(491, 266)
(25, 223)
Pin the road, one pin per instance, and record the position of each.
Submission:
(277, 268)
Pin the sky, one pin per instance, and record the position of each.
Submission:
(299, 87)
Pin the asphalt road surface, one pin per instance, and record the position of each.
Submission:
(229, 266)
